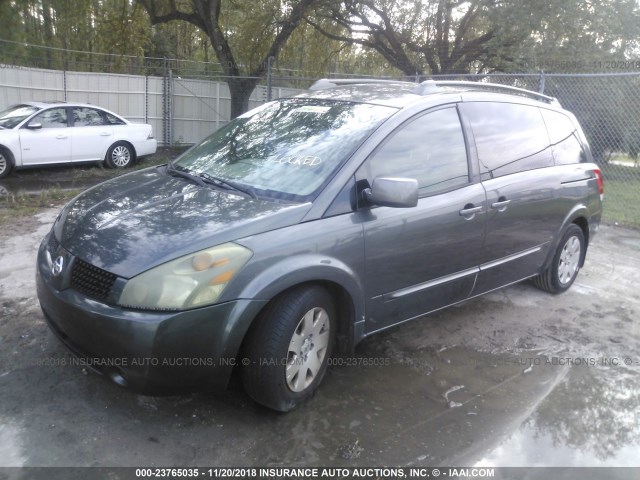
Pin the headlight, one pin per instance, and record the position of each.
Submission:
(187, 282)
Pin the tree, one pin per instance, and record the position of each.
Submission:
(66, 34)
(436, 36)
(579, 36)
(601, 36)
(243, 48)
(122, 29)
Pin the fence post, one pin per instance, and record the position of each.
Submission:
(217, 105)
(165, 122)
(64, 84)
(269, 77)
(170, 106)
(541, 82)
(167, 116)
(146, 99)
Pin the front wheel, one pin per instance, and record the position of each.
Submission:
(287, 350)
(120, 155)
(564, 267)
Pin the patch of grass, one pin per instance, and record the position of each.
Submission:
(22, 204)
(100, 172)
(621, 195)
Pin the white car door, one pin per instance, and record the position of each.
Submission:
(46, 138)
(91, 134)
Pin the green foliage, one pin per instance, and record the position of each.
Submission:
(234, 39)
(578, 36)
(74, 31)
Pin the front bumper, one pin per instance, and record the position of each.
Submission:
(147, 352)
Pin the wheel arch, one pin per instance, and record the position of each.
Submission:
(343, 303)
(338, 280)
(579, 216)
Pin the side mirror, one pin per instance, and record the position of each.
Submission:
(34, 126)
(392, 192)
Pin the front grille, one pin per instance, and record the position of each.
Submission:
(92, 281)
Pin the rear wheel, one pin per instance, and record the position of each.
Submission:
(287, 351)
(120, 155)
(6, 163)
(564, 268)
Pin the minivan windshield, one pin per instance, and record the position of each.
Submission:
(287, 149)
(13, 115)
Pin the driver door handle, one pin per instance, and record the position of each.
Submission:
(469, 211)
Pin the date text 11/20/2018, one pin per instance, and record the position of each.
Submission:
(315, 472)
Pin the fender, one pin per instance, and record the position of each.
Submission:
(312, 267)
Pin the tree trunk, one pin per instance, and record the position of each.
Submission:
(240, 90)
(48, 33)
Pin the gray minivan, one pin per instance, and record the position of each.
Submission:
(312, 222)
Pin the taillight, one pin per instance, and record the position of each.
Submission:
(600, 181)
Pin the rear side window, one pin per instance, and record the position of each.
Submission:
(430, 148)
(509, 137)
(88, 117)
(567, 149)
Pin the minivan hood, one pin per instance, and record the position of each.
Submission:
(132, 223)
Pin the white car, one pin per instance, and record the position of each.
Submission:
(38, 133)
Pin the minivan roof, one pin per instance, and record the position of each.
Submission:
(400, 94)
(393, 94)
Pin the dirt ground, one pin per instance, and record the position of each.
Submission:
(515, 378)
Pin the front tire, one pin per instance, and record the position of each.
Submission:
(120, 155)
(287, 351)
(564, 267)
(6, 163)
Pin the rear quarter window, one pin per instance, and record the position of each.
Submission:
(563, 134)
(112, 119)
(509, 137)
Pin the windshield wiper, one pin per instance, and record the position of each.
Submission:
(204, 180)
(221, 182)
(184, 174)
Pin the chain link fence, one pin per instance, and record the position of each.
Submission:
(608, 108)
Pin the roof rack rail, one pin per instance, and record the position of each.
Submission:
(430, 86)
(326, 83)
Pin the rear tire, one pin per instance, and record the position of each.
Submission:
(564, 267)
(6, 163)
(287, 350)
(120, 155)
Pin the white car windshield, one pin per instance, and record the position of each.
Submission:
(15, 114)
